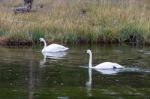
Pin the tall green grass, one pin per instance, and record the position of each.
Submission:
(77, 21)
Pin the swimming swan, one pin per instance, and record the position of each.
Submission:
(102, 71)
(104, 65)
(52, 47)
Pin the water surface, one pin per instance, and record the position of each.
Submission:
(26, 73)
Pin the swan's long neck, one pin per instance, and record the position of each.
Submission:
(90, 60)
(45, 45)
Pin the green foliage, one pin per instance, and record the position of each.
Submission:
(108, 34)
(36, 34)
(130, 32)
(70, 38)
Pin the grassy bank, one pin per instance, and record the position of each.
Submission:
(77, 21)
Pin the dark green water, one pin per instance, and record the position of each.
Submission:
(24, 74)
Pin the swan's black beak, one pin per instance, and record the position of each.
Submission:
(114, 67)
(39, 41)
(86, 51)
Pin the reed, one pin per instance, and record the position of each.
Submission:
(78, 21)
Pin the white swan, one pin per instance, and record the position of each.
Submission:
(52, 47)
(102, 71)
(104, 65)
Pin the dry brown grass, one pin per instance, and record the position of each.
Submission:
(78, 20)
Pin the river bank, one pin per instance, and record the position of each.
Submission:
(74, 22)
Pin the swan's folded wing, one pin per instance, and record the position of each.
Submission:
(108, 65)
(55, 48)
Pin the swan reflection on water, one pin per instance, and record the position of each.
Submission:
(112, 72)
(52, 55)
(108, 71)
(89, 83)
(102, 71)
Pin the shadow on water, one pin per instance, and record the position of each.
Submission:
(25, 73)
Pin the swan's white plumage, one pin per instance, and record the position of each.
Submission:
(108, 65)
(104, 65)
(53, 47)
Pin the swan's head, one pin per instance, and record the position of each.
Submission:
(42, 39)
(88, 51)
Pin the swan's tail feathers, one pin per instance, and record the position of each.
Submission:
(62, 49)
(119, 66)
(66, 48)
